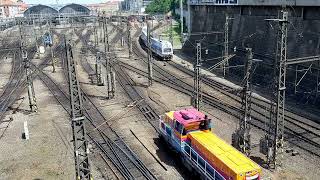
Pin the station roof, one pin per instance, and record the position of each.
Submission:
(51, 10)
(74, 8)
(40, 9)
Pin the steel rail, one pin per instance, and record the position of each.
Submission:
(131, 165)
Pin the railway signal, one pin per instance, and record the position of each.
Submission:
(122, 32)
(36, 38)
(129, 39)
(113, 83)
(98, 67)
(25, 59)
(107, 35)
(31, 92)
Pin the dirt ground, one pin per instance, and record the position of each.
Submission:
(48, 153)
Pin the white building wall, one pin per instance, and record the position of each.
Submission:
(2, 12)
(13, 11)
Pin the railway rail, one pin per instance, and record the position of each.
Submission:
(13, 89)
(296, 134)
(127, 84)
(17, 83)
(297, 138)
(109, 142)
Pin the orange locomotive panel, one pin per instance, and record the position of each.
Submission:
(223, 157)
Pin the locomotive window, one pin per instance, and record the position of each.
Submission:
(166, 50)
(255, 178)
(178, 126)
(184, 132)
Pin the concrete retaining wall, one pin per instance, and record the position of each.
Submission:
(250, 29)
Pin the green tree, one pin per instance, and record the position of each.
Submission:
(160, 6)
(163, 6)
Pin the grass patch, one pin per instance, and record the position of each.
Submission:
(176, 36)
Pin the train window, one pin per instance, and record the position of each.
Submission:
(209, 123)
(162, 126)
(202, 125)
(253, 178)
(166, 50)
(184, 132)
(178, 127)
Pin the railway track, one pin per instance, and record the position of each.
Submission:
(128, 85)
(109, 142)
(16, 85)
(16, 64)
(296, 138)
(56, 91)
(295, 133)
(181, 84)
(298, 135)
(258, 103)
(6, 99)
(15, 69)
(13, 89)
(106, 140)
(295, 127)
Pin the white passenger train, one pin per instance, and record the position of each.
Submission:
(162, 49)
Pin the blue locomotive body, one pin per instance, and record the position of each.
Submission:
(162, 49)
(47, 39)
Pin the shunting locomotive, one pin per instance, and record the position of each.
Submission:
(188, 132)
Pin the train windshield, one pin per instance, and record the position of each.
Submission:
(167, 50)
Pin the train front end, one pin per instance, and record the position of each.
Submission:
(188, 132)
(167, 51)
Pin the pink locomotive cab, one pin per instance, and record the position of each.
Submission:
(188, 132)
(175, 125)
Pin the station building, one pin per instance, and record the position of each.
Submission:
(8, 9)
